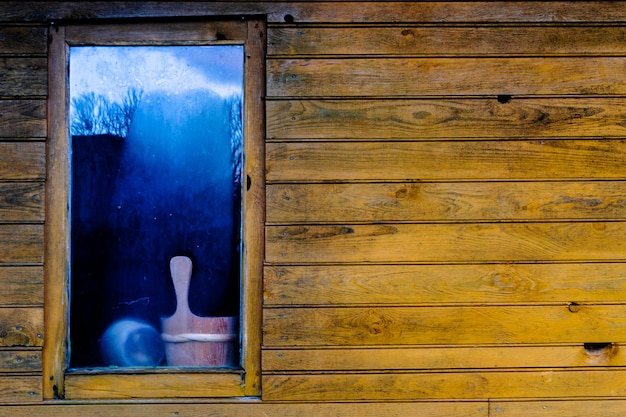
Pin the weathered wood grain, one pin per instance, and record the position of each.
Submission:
(401, 77)
(21, 202)
(253, 207)
(22, 161)
(476, 325)
(21, 243)
(614, 407)
(20, 361)
(327, 285)
(428, 119)
(179, 33)
(432, 202)
(23, 40)
(56, 250)
(21, 285)
(441, 357)
(22, 77)
(19, 389)
(254, 408)
(432, 41)
(152, 385)
(460, 385)
(216, 383)
(443, 243)
(332, 11)
(455, 160)
(21, 326)
(23, 118)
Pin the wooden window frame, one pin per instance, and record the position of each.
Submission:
(162, 382)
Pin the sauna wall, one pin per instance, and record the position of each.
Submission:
(445, 208)
(445, 212)
(23, 129)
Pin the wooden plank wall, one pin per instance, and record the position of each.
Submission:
(445, 212)
(446, 204)
(23, 91)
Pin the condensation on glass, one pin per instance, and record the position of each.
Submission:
(156, 168)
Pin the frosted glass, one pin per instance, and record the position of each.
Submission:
(156, 142)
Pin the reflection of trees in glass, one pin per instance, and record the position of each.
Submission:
(236, 136)
(94, 114)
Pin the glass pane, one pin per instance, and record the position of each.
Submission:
(156, 142)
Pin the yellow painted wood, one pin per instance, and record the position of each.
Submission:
(23, 118)
(21, 202)
(431, 41)
(466, 161)
(153, 385)
(19, 389)
(21, 285)
(286, 285)
(367, 77)
(23, 40)
(21, 243)
(253, 208)
(461, 385)
(254, 408)
(594, 165)
(432, 202)
(249, 32)
(449, 12)
(22, 161)
(21, 326)
(614, 407)
(442, 243)
(13, 360)
(445, 160)
(471, 325)
(441, 357)
(424, 119)
(23, 77)
(340, 11)
(56, 266)
(153, 33)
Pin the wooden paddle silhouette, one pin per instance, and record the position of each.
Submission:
(191, 340)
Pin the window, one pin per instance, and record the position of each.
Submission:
(155, 200)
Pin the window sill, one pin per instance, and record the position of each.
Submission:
(172, 384)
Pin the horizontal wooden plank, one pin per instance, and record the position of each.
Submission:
(440, 357)
(22, 77)
(21, 202)
(20, 361)
(467, 160)
(443, 243)
(22, 161)
(331, 11)
(468, 40)
(427, 119)
(23, 118)
(461, 385)
(465, 201)
(23, 40)
(614, 407)
(19, 389)
(401, 77)
(21, 243)
(252, 408)
(154, 33)
(157, 385)
(21, 285)
(21, 326)
(443, 284)
(341, 326)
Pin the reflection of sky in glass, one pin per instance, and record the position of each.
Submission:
(110, 71)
